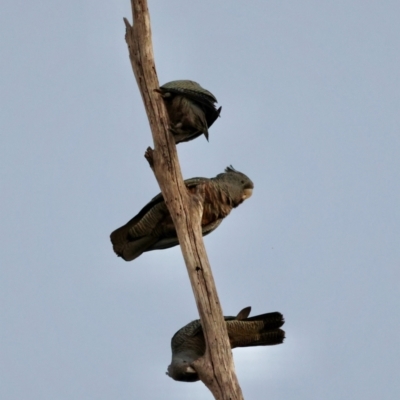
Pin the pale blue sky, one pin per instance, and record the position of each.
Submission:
(310, 112)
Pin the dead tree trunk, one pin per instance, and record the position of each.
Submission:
(216, 368)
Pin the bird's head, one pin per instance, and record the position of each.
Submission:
(238, 186)
(182, 372)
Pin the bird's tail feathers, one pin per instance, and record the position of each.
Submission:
(269, 338)
(129, 250)
(118, 237)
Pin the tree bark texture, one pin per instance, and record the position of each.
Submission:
(216, 368)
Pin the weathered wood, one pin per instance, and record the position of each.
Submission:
(216, 368)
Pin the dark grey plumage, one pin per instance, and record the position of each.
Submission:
(190, 107)
(188, 343)
(153, 229)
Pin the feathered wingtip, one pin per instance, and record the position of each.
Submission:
(272, 320)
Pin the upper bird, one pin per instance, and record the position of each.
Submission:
(191, 109)
(188, 343)
(153, 228)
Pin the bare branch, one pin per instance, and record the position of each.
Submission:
(216, 368)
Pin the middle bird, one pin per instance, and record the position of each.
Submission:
(153, 228)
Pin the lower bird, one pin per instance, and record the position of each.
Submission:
(191, 109)
(153, 228)
(188, 343)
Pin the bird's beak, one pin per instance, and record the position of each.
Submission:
(247, 193)
(206, 135)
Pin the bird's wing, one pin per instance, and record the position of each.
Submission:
(212, 115)
(188, 331)
(272, 320)
(243, 314)
(260, 330)
(190, 89)
(192, 182)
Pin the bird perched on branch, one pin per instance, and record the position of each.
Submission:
(188, 343)
(191, 109)
(153, 228)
